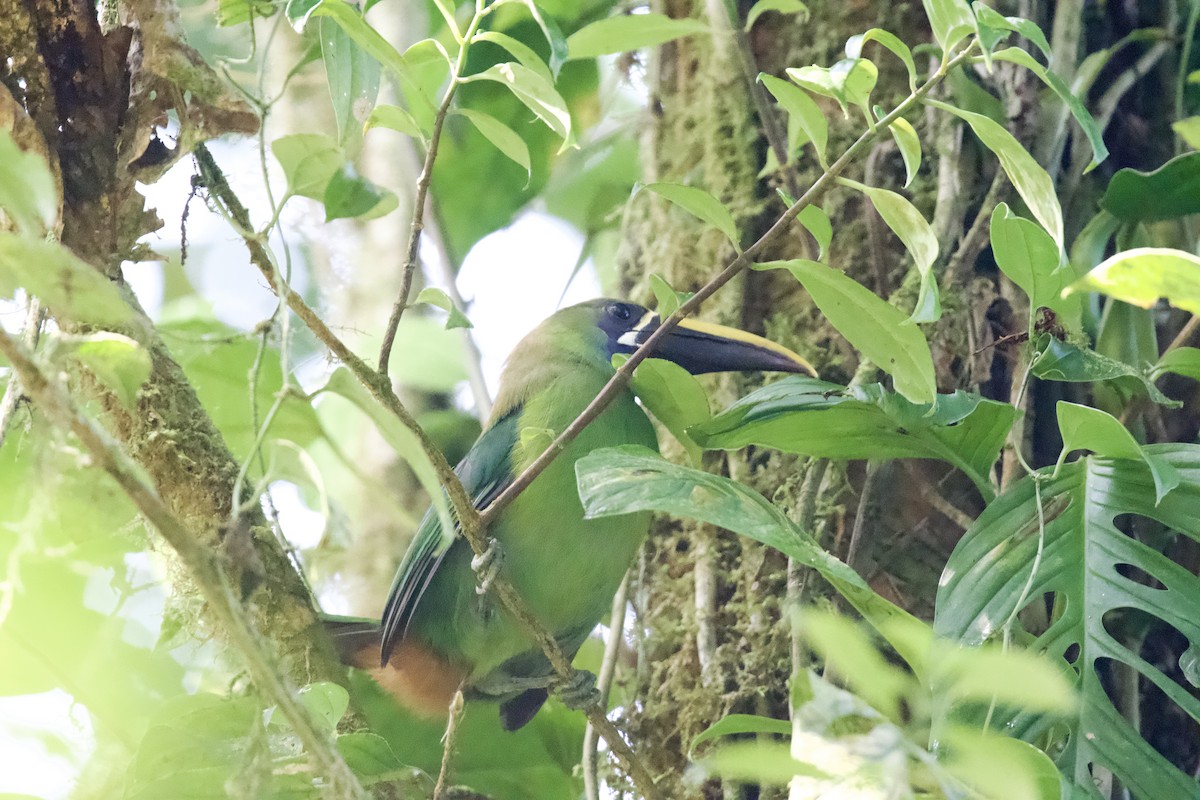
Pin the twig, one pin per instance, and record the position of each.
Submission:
(930, 494)
(975, 239)
(866, 503)
(704, 578)
(604, 681)
(453, 717)
(1185, 333)
(470, 522)
(208, 574)
(620, 380)
(412, 252)
(34, 314)
(797, 574)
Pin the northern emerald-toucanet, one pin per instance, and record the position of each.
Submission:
(437, 633)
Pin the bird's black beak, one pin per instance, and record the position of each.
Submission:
(701, 347)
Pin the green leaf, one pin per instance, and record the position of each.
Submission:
(1188, 130)
(951, 21)
(343, 384)
(850, 80)
(369, 755)
(1142, 275)
(732, 724)
(1028, 256)
(623, 480)
(909, 145)
(878, 330)
(778, 6)
(701, 205)
(854, 46)
(395, 118)
(522, 52)
(71, 287)
(816, 221)
(1086, 122)
(629, 32)
(235, 12)
(535, 92)
(1169, 192)
(1183, 361)
(823, 420)
(1072, 549)
(309, 161)
(1061, 361)
(1085, 428)
(990, 18)
(325, 701)
(503, 137)
(1030, 180)
(804, 115)
(667, 300)
(348, 194)
(850, 654)
(437, 297)
(353, 81)
(559, 51)
(117, 361)
(28, 191)
(675, 398)
(757, 763)
(918, 237)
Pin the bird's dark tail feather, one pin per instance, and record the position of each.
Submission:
(517, 712)
(355, 638)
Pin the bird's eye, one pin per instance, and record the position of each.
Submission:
(619, 311)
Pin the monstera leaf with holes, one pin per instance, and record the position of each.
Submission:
(1071, 547)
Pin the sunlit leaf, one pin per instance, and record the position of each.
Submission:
(811, 417)
(855, 44)
(535, 92)
(1087, 124)
(1143, 275)
(1085, 428)
(675, 398)
(804, 115)
(522, 52)
(909, 145)
(627, 32)
(117, 361)
(394, 118)
(438, 297)
(701, 205)
(1027, 176)
(873, 326)
(778, 6)
(1183, 361)
(742, 723)
(70, 287)
(503, 137)
(816, 221)
(918, 237)
(309, 161)
(353, 81)
(1028, 256)
(951, 21)
(28, 191)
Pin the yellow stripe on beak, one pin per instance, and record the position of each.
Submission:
(733, 334)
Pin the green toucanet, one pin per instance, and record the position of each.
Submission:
(437, 633)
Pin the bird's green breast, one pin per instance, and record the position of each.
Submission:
(565, 567)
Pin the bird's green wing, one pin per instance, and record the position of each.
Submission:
(485, 472)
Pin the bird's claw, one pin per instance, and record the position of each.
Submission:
(487, 566)
(577, 692)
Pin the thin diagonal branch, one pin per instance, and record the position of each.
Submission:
(620, 380)
(54, 401)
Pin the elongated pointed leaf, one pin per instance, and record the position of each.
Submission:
(505, 139)
(815, 418)
(874, 327)
(1030, 180)
(71, 287)
(701, 205)
(622, 480)
(629, 32)
(1142, 275)
(1086, 428)
(804, 115)
(919, 239)
(996, 570)
(535, 92)
(778, 6)
(854, 46)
